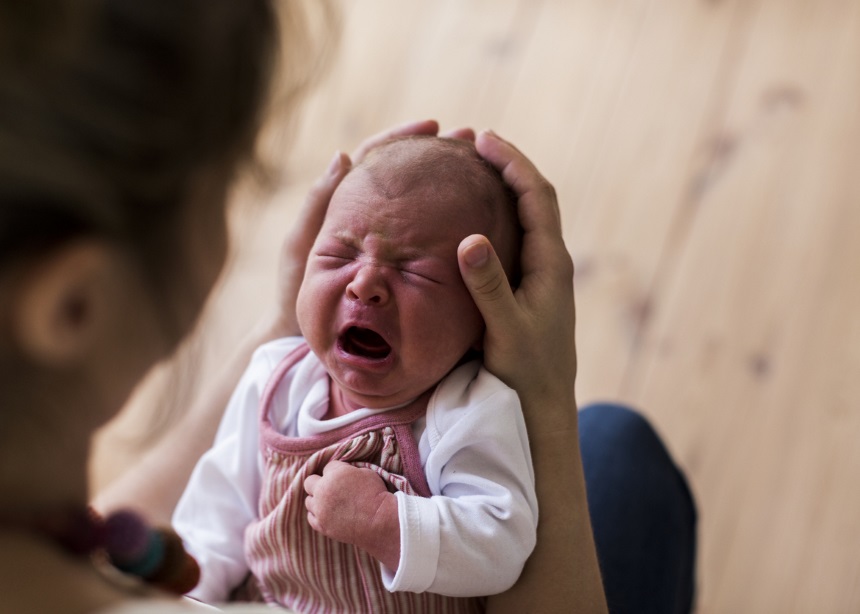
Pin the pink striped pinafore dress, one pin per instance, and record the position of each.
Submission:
(297, 567)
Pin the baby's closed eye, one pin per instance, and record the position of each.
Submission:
(426, 269)
(332, 256)
(335, 253)
(411, 273)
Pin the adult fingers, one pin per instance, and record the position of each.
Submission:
(543, 247)
(427, 126)
(538, 205)
(312, 213)
(487, 283)
(464, 134)
(298, 242)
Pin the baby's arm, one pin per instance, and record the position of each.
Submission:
(222, 495)
(474, 536)
(352, 505)
(211, 517)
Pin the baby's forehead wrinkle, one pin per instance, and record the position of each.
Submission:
(389, 246)
(398, 181)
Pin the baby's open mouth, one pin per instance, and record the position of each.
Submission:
(365, 343)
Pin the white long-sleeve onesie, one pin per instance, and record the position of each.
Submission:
(470, 538)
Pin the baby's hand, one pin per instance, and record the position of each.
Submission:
(352, 505)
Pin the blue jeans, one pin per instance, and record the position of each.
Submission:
(642, 513)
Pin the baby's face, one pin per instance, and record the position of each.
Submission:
(382, 304)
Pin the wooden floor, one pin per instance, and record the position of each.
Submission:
(707, 157)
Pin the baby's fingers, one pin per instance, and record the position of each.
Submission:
(311, 484)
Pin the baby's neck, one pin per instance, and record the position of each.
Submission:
(339, 405)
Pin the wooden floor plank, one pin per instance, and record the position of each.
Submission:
(627, 203)
(562, 103)
(464, 75)
(744, 372)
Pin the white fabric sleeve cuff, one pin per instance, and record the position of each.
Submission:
(419, 545)
(206, 593)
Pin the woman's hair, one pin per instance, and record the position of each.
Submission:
(108, 109)
(112, 110)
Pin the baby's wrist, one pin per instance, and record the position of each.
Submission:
(382, 537)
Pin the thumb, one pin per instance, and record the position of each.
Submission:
(486, 280)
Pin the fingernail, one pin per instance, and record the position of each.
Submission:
(491, 132)
(476, 255)
(334, 165)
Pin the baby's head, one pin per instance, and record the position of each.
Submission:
(452, 171)
(383, 304)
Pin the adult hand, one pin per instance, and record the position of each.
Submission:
(298, 242)
(529, 341)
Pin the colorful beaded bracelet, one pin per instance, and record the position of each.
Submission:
(154, 554)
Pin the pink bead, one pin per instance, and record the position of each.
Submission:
(126, 536)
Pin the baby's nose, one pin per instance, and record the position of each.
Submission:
(368, 286)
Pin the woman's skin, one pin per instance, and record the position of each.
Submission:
(529, 344)
(68, 321)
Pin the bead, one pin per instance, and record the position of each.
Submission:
(155, 555)
(173, 560)
(179, 572)
(126, 537)
(145, 565)
(187, 580)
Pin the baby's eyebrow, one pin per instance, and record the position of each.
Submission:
(341, 236)
(389, 250)
(405, 253)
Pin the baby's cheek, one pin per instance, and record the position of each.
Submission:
(313, 306)
(303, 310)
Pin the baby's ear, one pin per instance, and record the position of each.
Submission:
(59, 304)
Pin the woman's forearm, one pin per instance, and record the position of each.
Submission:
(562, 574)
(530, 344)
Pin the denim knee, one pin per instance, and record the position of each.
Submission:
(642, 512)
